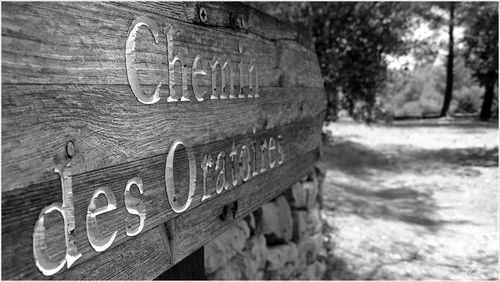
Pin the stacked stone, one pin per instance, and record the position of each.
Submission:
(281, 240)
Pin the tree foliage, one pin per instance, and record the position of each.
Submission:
(438, 15)
(351, 40)
(481, 37)
(419, 93)
(481, 53)
(354, 39)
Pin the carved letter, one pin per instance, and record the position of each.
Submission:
(221, 182)
(43, 261)
(254, 161)
(252, 93)
(249, 164)
(197, 71)
(97, 241)
(205, 166)
(240, 68)
(231, 91)
(225, 95)
(250, 87)
(133, 79)
(281, 151)
(169, 178)
(245, 175)
(263, 148)
(213, 66)
(234, 175)
(134, 206)
(272, 147)
(172, 60)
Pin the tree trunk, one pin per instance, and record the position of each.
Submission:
(332, 101)
(487, 102)
(449, 68)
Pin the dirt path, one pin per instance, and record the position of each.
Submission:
(412, 201)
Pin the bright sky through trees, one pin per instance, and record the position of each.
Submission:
(439, 41)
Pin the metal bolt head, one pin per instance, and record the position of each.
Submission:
(203, 15)
(70, 149)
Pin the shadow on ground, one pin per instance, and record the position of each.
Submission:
(354, 158)
(364, 197)
(475, 156)
(443, 123)
(380, 188)
(400, 204)
(359, 160)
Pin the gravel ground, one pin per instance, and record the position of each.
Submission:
(411, 201)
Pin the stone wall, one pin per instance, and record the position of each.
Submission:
(280, 240)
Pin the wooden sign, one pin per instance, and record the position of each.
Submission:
(134, 133)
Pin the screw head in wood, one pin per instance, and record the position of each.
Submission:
(203, 15)
(70, 149)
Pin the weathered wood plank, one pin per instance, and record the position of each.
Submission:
(298, 75)
(21, 207)
(108, 126)
(86, 45)
(202, 229)
(83, 45)
(141, 259)
(59, 52)
(233, 15)
(75, 46)
(65, 78)
(190, 231)
(248, 19)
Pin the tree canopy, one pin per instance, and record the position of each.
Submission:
(351, 40)
(482, 42)
(354, 40)
(481, 53)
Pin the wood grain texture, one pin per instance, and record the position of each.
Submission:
(68, 82)
(201, 229)
(21, 207)
(81, 45)
(108, 126)
(141, 259)
(306, 73)
(64, 78)
(187, 232)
